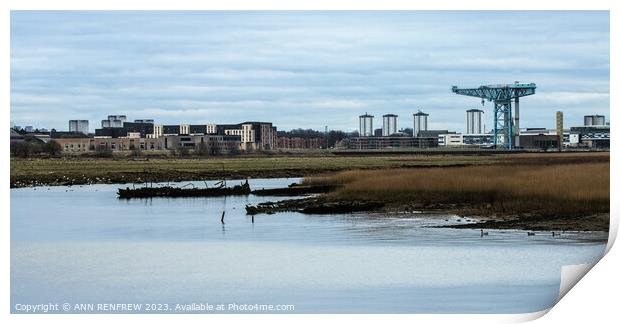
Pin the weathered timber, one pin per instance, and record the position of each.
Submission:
(175, 192)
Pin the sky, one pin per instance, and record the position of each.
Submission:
(303, 69)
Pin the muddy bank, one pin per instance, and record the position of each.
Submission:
(598, 222)
(484, 219)
(313, 205)
(294, 189)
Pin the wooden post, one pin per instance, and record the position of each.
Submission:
(222, 220)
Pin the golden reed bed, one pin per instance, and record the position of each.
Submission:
(570, 190)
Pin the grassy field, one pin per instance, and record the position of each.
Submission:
(62, 171)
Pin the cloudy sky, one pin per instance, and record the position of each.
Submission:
(302, 69)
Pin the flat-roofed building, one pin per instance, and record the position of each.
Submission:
(214, 144)
(455, 139)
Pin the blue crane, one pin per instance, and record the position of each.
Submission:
(502, 96)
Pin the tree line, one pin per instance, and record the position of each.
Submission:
(32, 148)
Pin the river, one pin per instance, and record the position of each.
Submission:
(81, 244)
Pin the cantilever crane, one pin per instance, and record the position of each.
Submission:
(502, 95)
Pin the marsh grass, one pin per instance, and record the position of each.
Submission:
(567, 190)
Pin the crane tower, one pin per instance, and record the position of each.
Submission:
(502, 96)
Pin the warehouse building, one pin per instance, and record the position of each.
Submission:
(594, 137)
(389, 142)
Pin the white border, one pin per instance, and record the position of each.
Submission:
(594, 299)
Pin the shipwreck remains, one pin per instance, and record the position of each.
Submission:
(175, 192)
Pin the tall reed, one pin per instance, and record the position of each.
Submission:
(570, 190)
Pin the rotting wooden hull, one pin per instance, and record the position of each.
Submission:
(173, 192)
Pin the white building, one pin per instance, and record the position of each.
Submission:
(254, 135)
(450, 139)
(420, 122)
(246, 133)
(475, 121)
(389, 124)
(366, 125)
(78, 126)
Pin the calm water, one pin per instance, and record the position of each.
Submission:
(83, 245)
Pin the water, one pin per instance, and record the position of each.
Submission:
(81, 244)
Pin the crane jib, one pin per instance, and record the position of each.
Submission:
(505, 128)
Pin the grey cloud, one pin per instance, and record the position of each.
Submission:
(315, 68)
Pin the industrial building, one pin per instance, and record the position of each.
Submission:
(78, 126)
(592, 137)
(445, 138)
(389, 142)
(390, 125)
(475, 121)
(594, 120)
(450, 139)
(365, 128)
(540, 138)
(420, 123)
